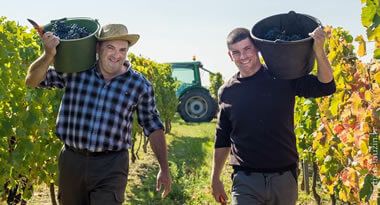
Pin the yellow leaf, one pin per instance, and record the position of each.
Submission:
(365, 127)
(330, 189)
(368, 95)
(377, 77)
(356, 102)
(363, 146)
(323, 170)
(350, 138)
(362, 46)
(343, 195)
(353, 178)
(373, 202)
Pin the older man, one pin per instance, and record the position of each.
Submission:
(95, 119)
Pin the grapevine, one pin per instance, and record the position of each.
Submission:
(28, 144)
(340, 137)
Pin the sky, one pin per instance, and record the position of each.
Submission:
(176, 30)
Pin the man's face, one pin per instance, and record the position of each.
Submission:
(112, 55)
(244, 55)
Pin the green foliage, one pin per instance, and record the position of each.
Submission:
(28, 146)
(190, 160)
(337, 136)
(160, 75)
(370, 17)
(306, 120)
(216, 80)
(164, 85)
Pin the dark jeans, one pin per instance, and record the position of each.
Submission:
(264, 188)
(92, 180)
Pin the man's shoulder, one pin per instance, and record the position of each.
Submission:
(138, 76)
(230, 82)
(228, 85)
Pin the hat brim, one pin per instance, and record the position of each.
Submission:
(131, 38)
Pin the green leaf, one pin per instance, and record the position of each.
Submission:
(368, 12)
(377, 75)
(376, 55)
(19, 48)
(367, 189)
(372, 34)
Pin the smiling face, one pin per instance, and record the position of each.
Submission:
(245, 56)
(112, 55)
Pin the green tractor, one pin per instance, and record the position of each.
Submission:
(195, 101)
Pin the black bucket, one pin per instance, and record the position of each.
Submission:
(287, 59)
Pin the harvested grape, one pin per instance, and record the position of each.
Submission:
(68, 31)
(276, 34)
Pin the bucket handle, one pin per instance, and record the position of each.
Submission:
(279, 41)
(315, 19)
(65, 18)
(292, 18)
(62, 19)
(293, 15)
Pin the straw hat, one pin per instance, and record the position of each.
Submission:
(116, 32)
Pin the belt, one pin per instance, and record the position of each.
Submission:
(247, 170)
(86, 152)
(279, 170)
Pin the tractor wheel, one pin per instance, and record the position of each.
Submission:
(197, 106)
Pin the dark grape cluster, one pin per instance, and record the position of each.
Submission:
(68, 31)
(275, 33)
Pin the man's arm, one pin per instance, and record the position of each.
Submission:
(158, 145)
(37, 70)
(220, 157)
(325, 74)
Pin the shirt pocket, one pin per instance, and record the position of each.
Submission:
(125, 106)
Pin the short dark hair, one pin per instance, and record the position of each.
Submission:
(238, 34)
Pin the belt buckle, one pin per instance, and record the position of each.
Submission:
(86, 152)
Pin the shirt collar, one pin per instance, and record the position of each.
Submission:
(100, 75)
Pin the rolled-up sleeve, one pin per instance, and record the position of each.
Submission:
(147, 113)
(53, 79)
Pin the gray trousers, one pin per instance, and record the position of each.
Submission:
(92, 180)
(264, 188)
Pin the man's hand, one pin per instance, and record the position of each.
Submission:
(325, 74)
(50, 43)
(164, 181)
(220, 157)
(319, 39)
(218, 191)
(37, 70)
(158, 145)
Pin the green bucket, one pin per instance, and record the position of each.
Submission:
(76, 55)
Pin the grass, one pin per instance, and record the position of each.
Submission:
(190, 159)
(190, 147)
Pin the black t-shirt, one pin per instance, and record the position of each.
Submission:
(256, 118)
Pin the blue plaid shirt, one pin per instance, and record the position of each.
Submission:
(97, 115)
